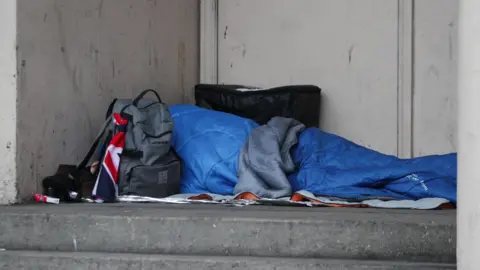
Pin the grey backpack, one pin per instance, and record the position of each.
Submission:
(148, 164)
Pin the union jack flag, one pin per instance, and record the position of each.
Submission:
(106, 186)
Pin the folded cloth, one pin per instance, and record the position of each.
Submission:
(265, 159)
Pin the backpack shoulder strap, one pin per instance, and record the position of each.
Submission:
(110, 108)
(94, 145)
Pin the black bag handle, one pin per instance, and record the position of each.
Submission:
(143, 93)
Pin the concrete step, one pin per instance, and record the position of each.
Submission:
(212, 230)
(108, 261)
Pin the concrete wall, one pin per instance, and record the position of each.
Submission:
(435, 76)
(348, 48)
(75, 56)
(387, 68)
(8, 100)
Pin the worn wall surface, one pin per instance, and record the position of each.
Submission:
(348, 48)
(75, 56)
(8, 81)
(435, 77)
(359, 53)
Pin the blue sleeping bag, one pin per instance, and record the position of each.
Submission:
(333, 166)
(209, 144)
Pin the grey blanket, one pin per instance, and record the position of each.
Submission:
(265, 159)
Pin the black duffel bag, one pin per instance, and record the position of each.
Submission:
(301, 102)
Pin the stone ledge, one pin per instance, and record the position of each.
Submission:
(105, 261)
(367, 234)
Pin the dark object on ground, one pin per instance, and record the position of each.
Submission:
(69, 179)
(301, 102)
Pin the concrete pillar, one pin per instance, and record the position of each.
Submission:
(8, 97)
(468, 218)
